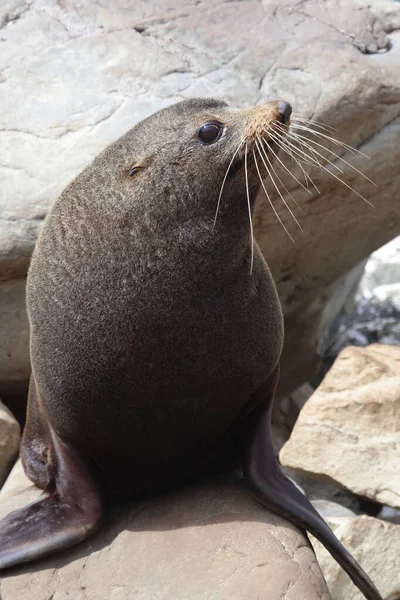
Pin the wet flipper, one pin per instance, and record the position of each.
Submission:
(67, 516)
(277, 493)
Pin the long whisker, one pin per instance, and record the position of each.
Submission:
(298, 135)
(331, 139)
(288, 170)
(318, 124)
(249, 207)
(295, 136)
(283, 144)
(263, 141)
(258, 144)
(341, 181)
(267, 195)
(303, 146)
(223, 183)
(306, 158)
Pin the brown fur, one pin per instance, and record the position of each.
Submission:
(149, 334)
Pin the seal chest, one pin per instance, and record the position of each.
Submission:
(156, 330)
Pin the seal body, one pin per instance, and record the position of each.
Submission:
(148, 332)
(156, 329)
(142, 357)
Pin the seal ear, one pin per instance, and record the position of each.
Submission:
(69, 515)
(138, 165)
(277, 493)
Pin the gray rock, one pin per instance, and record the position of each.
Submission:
(74, 76)
(382, 270)
(327, 509)
(211, 541)
(387, 513)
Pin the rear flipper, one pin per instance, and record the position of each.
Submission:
(69, 515)
(277, 493)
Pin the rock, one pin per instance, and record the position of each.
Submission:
(382, 268)
(210, 541)
(375, 545)
(389, 293)
(71, 84)
(372, 319)
(389, 514)
(341, 302)
(348, 431)
(16, 482)
(9, 441)
(14, 333)
(318, 490)
(300, 396)
(285, 412)
(386, 11)
(327, 509)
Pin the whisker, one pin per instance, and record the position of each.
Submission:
(331, 139)
(282, 144)
(267, 195)
(261, 141)
(276, 187)
(249, 207)
(302, 155)
(306, 158)
(295, 136)
(223, 183)
(318, 124)
(288, 170)
(338, 157)
(302, 146)
(346, 184)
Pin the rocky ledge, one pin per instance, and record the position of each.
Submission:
(210, 541)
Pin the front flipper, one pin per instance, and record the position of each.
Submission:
(277, 493)
(67, 516)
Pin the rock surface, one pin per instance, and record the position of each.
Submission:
(211, 541)
(375, 545)
(382, 268)
(9, 441)
(74, 76)
(16, 482)
(14, 347)
(327, 509)
(348, 431)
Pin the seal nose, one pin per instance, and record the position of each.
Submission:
(285, 110)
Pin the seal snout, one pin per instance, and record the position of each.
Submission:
(285, 110)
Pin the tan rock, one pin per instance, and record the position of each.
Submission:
(9, 441)
(375, 545)
(349, 430)
(204, 542)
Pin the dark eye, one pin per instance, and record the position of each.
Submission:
(209, 133)
(133, 170)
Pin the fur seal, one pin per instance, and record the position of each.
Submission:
(156, 330)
